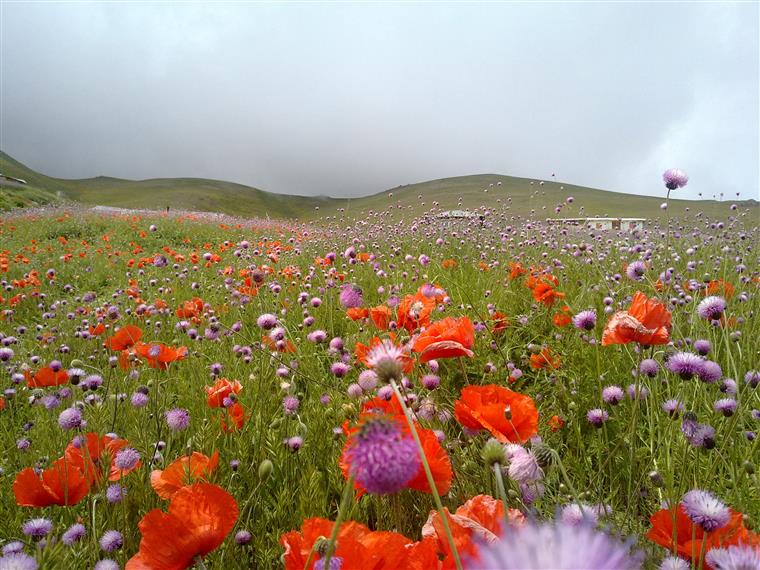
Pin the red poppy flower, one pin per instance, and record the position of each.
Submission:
(91, 455)
(544, 359)
(509, 416)
(235, 418)
(720, 287)
(357, 313)
(158, 355)
(62, 484)
(689, 537)
(199, 519)
(358, 547)
(381, 316)
(287, 346)
(647, 321)
(97, 330)
(478, 521)
(544, 293)
(414, 312)
(183, 472)
(500, 323)
(46, 377)
(447, 338)
(221, 389)
(191, 309)
(126, 337)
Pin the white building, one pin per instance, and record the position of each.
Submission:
(624, 224)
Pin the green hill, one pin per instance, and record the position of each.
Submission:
(523, 196)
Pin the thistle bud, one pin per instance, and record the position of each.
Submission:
(656, 479)
(388, 369)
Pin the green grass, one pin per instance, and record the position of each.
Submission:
(196, 194)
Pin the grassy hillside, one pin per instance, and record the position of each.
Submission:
(523, 196)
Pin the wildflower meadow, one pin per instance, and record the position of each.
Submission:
(379, 392)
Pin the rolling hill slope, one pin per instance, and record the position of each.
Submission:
(523, 196)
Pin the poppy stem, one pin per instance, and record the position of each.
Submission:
(502, 491)
(199, 563)
(429, 474)
(348, 494)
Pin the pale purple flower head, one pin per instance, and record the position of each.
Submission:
(672, 407)
(685, 364)
(585, 320)
(18, 561)
(579, 513)
(367, 380)
(706, 510)
(710, 372)
(243, 537)
(674, 563)
(597, 417)
(37, 528)
(711, 308)
(649, 367)
(115, 493)
(703, 347)
(126, 459)
(697, 434)
(74, 534)
(556, 546)
(70, 418)
(613, 395)
(752, 378)
(267, 321)
(111, 540)
(290, 405)
(382, 457)
(523, 464)
(674, 178)
(294, 443)
(736, 557)
(725, 406)
(106, 564)
(351, 296)
(177, 419)
(636, 270)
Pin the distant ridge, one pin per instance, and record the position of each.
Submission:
(523, 196)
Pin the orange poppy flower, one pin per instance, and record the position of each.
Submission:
(124, 338)
(515, 270)
(221, 389)
(62, 484)
(476, 522)
(158, 355)
(556, 423)
(647, 321)
(357, 313)
(509, 416)
(448, 263)
(358, 547)
(46, 377)
(689, 537)
(544, 359)
(414, 312)
(183, 472)
(94, 453)
(500, 323)
(191, 309)
(720, 287)
(381, 316)
(561, 318)
(546, 294)
(447, 338)
(97, 330)
(199, 519)
(235, 418)
(272, 345)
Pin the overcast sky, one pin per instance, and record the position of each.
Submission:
(349, 99)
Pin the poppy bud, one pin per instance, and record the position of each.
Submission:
(656, 479)
(749, 467)
(76, 363)
(493, 453)
(265, 469)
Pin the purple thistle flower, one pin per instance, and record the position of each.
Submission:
(585, 320)
(294, 443)
(126, 459)
(74, 534)
(649, 367)
(351, 296)
(242, 537)
(368, 380)
(752, 378)
(635, 271)
(710, 372)
(672, 407)
(18, 561)
(267, 321)
(685, 364)
(106, 564)
(637, 391)
(381, 457)
(430, 381)
(711, 308)
(674, 563)
(115, 493)
(70, 418)
(523, 464)
(554, 545)
(111, 540)
(725, 406)
(613, 395)
(336, 563)
(736, 557)
(290, 405)
(13, 547)
(340, 369)
(37, 528)
(698, 435)
(578, 513)
(728, 386)
(139, 400)
(597, 417)
(703, 347)
(706, 510)
(177, 419)
(674, 178)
